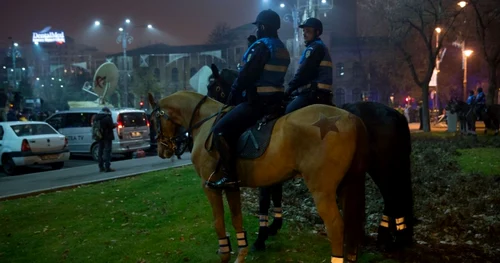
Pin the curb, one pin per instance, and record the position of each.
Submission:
(71, 186)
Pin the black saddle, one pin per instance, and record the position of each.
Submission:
(254, 141)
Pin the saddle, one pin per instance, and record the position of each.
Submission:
(255, 140)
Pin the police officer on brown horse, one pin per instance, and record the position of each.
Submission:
(313, 81)
(261, 78)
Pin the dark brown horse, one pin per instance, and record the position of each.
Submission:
(467, 115)
(390, 149)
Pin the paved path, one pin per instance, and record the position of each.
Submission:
(27, 184)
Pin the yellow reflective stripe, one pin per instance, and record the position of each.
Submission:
(269, 89)
(325, 63)
(385, 218)
(324, 86)
(275, 68)
(400, 220)
(337, 260)
(401, 227)
(384, 224)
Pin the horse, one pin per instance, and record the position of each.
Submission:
(326, 146)
(467, 115)
(390, 145)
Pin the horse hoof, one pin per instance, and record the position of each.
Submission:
(275, 226)
(259, 246)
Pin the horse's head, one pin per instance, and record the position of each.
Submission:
(181, 109)
(166, 122)
(219, 85)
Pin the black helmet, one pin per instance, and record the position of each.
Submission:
(480, 90)
(314, 23)
(268, 18)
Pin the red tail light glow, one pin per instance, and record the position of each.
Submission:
(25, 147)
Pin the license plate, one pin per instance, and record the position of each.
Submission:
(135, 134)
(50, 157)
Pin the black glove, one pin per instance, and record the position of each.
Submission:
(229, 100)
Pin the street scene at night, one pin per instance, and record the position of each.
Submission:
(250, 131)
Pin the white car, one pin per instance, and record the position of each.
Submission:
(31, 143)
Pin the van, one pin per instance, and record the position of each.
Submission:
(131, 134)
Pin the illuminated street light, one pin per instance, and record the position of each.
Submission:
(37, 78)
(23, 69)
(462, 4)
(282, 5)
(120, 29)
(16, 45)
(97, 23)
(127, 21)
(4, 67)
(52, 78)
(60, 79)
(323, 1)
(62, 86)
(438, 30)
(150, 26)
(468, 52)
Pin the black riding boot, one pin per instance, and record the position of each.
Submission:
(228, 169)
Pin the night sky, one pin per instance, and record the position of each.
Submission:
(176, 22)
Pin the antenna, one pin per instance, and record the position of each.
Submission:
(105, 82)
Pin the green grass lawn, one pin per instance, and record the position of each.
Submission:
(480, 160)
(156, 217)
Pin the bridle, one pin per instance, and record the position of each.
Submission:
(158, 114)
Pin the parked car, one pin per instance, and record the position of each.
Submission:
(131, 134)
(31, 143)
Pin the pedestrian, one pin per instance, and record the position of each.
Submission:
(102, 132)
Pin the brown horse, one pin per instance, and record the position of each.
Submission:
(325, 145)
(390, 168)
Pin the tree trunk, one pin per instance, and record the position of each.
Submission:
(425, 107)
(492, 95)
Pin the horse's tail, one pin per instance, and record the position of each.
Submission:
(352, 193)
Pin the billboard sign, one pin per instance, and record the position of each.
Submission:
(49, 37)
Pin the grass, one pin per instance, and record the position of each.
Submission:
(156, 217)
(479, 160)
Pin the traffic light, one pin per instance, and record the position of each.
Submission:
(141, 104)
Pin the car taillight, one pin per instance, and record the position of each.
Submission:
(25, 147)
(147, 123)
(119, 126)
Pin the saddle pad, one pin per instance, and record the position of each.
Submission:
(254, 141)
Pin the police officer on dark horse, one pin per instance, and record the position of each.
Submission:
(261, 78)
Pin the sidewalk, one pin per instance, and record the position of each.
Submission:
(24, 185)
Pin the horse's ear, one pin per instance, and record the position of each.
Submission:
(151, 99)
(215, 71)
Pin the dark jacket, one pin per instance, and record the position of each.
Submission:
(107, 125)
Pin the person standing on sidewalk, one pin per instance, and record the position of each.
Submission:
(102, 131)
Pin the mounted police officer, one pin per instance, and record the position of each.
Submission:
(471, 99)
(261, 77)
(480, 102)
(313, 81)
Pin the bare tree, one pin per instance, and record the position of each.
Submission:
(487, 27)
(410, 26)
(220, 34)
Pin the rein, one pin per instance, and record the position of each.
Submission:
(159, 132)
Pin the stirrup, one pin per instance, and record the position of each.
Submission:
(223, 183)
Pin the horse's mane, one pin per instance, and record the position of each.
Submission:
(229, 75)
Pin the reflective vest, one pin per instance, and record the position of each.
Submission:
(480, 98)
(273, 75)
(324, 79)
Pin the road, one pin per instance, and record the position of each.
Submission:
(67, 177)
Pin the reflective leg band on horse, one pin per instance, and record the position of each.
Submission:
(224, 245)
(400, 224)
(263, 220)
(242, 239)
(278, 212)
(336, 259)
(385, 221)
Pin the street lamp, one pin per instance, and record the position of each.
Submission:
(97, 23)
(462, 4)
(465, 55)
(438, 60)
(16, 44)
(125, 38)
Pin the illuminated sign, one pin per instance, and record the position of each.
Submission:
(49, 37)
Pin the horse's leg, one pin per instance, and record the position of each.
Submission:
(215, 199)
(264, 203)
(277, 196)
(402, 219)
(381, 179)
(234, 201)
